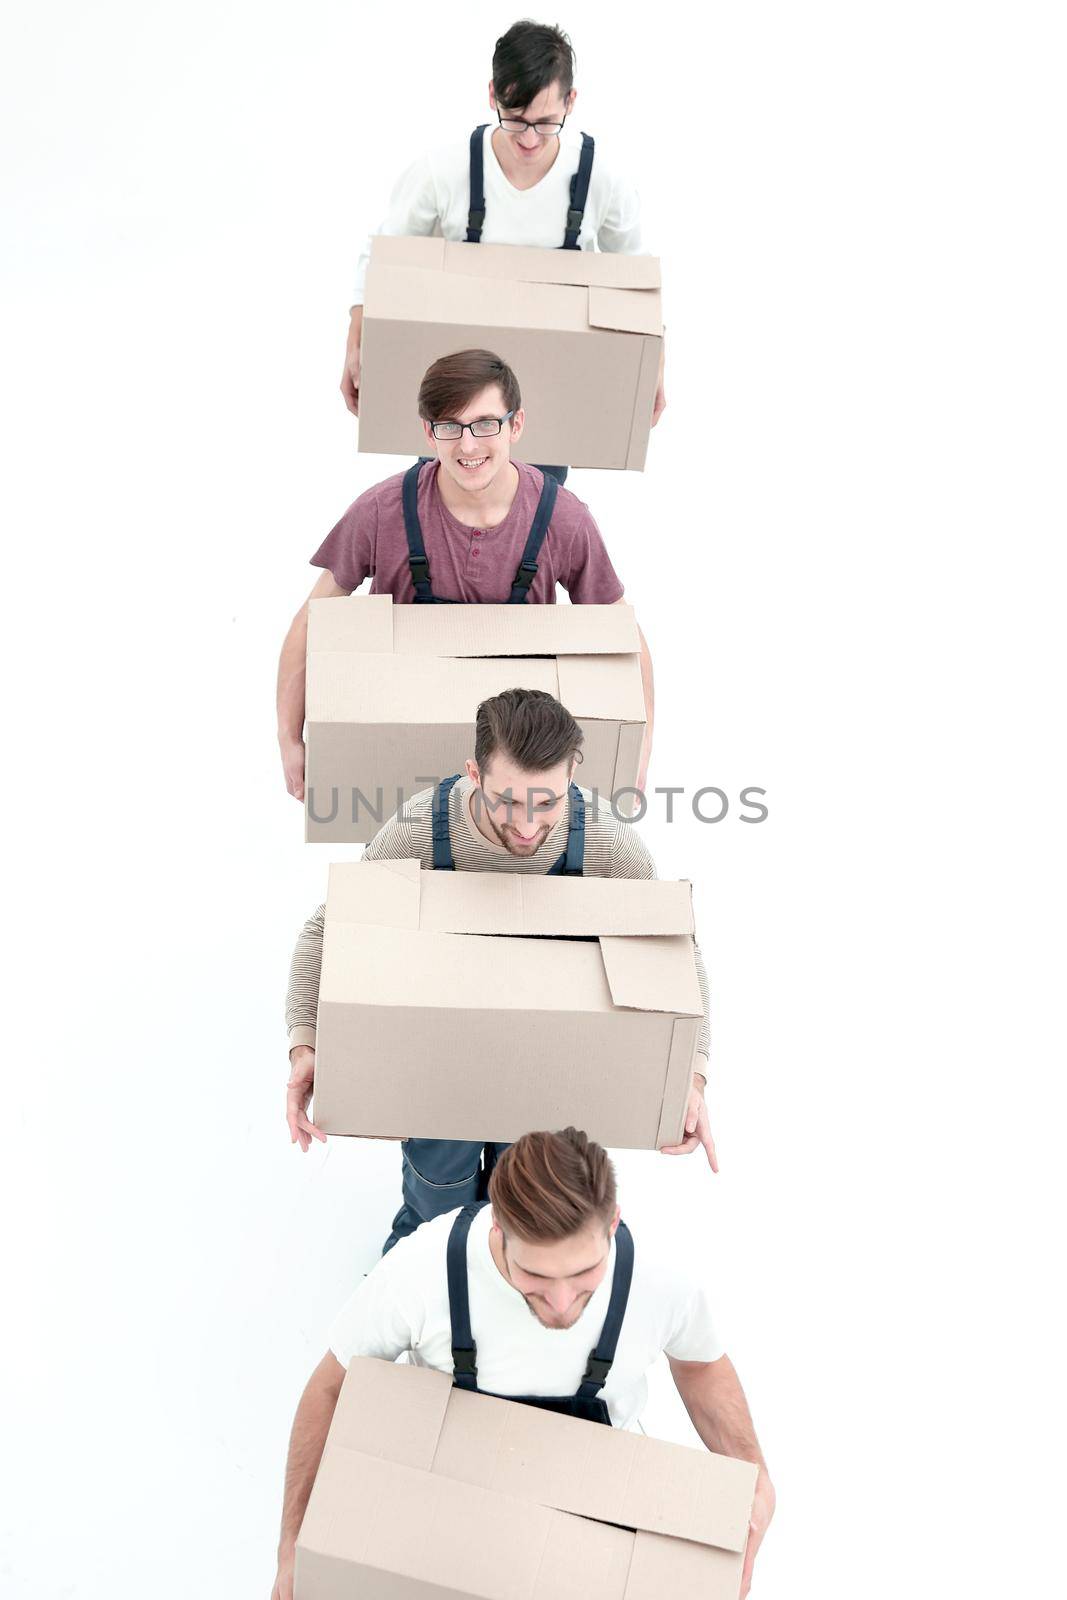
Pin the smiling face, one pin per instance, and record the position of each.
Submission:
(556, 1279)
(527, 145)
(472, 463)
(518, 809)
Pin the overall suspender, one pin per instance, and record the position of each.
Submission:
(464, 1349)
(420, 566)
(579, 190)
(442, 842)
(571, 863)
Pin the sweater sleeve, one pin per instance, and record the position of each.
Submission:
(413, 209)
(302, 996)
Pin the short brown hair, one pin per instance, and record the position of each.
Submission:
(549, 1186)
(531, 725)
(452, 383)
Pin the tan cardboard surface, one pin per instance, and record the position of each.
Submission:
(480, 1005)
(507, 903)
(392, 693)
(373, 624)
(426, 1491)
(517, 262)
(581, 329)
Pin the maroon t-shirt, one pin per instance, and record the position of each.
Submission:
(471, 564)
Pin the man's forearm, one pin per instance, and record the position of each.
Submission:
(717, 1407)
(305, 970)
(310, 1427)
(292, 668)
(649, 687)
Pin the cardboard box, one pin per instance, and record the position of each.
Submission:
(426, 1492)
(581, 329)
(482, 1005)
(392, 693)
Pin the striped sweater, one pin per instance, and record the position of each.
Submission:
(613, 849)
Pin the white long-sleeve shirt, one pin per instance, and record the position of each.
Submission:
(433, 197)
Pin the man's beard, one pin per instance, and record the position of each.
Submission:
(559, 1327)
(502, 834)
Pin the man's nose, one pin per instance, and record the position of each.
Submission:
(560, 1298)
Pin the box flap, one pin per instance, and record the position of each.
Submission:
(523, 264)
(405, 294)
(374, 893)
(489, 630)
(357, 622)
(453, 1538)
(389, 967)
(415, 689)
(605, 1473)
(625, 310)
(393, 1412)
(540, 906)
(602, 686)
(653, 974)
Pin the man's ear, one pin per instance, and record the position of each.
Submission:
(614, 1223)
(492, 96)
(473, 774)
(428, 431)
(569, 102)
(518, 422)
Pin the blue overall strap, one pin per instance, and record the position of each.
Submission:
(574, 860)
(579, 194)
(527, 572)
(420, 567)
(464, 1351)
(442, 839)
(600, 1359)
(476, 209)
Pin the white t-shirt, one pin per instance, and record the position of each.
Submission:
(402, 1306)
(433, 196)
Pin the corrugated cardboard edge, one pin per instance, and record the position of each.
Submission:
(637, 450)
(676, 1081)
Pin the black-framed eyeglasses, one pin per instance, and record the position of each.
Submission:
(546, 130)
(481, 427)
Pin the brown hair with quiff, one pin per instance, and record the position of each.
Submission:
(549, 1186)
(531, 726)
(449, 386)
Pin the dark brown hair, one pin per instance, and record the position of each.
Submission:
(452, 383)
(530, 725)
(527, 59)
(549, 1186)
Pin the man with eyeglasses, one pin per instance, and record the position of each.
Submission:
(467, 525)
(530, 178)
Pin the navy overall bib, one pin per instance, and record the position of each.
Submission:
(420, 566)
(586, 1402)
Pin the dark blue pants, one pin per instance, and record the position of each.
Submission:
(441, 1175)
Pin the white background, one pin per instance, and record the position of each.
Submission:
(845, 554)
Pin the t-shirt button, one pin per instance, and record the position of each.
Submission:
(474, 552)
